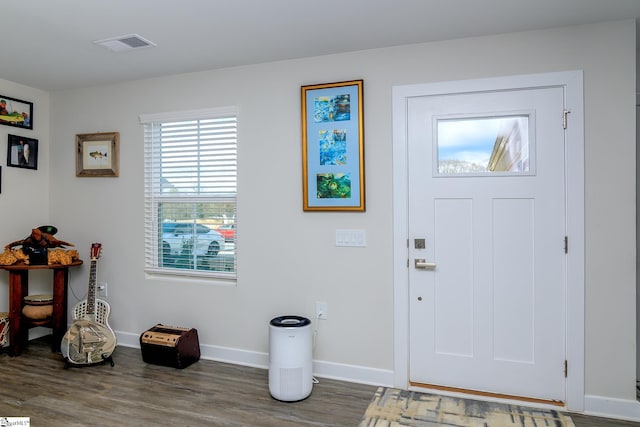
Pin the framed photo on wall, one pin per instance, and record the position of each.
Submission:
(15, 112)
(333, 147)
(22, 152)
(97, 154)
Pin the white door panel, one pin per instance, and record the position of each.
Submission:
(490, 316)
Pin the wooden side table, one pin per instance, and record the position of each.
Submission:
(19, 288)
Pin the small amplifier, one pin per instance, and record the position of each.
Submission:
(170, 346)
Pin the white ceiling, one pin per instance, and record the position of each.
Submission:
(48, 44)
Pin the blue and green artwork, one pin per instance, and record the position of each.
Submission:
(333, 185)
(333, 147)
(332, 108)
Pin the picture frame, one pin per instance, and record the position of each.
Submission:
(97, 154)
(22, 152)
(333, 147)
(16, 112)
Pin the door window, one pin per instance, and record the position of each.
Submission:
(483, 145)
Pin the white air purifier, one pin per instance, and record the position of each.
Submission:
(290, 352)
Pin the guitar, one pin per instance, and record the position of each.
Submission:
(90, 339)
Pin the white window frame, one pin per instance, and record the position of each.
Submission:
(153, 197)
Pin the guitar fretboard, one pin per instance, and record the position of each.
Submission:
(91, 293)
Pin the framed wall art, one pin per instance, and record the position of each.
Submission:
(22, 152)
(16, 113)
(97, 154)
(333, 147)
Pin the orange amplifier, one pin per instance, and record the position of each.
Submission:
(170, 346)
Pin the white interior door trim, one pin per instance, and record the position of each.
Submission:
(572, 82)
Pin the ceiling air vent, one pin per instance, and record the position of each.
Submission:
(125, 43)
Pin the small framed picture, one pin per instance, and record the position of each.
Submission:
(97, 154)
(15, 112)
(22, 152)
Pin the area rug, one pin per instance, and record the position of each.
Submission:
(392, 407)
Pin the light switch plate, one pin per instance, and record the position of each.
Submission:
(356, 238)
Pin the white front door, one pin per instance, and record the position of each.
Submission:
(486, 228)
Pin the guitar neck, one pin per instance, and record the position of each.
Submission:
(90, 312)
(91, 293)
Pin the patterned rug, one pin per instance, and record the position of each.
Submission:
(392, 407)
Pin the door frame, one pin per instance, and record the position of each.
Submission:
(572, 83)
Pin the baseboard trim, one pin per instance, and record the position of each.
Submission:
(321, 369)
(607, 407)
(353, 373)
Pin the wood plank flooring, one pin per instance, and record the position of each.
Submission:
(207, 393)
(133, 393)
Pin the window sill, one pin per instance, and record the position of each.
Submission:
(192, 277)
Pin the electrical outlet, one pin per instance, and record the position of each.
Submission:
(322, 311)
(102, 289)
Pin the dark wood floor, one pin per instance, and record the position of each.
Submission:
(133, 393)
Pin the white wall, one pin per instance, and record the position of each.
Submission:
(24, 197)
(287, 258)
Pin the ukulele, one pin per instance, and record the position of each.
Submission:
(89, 340)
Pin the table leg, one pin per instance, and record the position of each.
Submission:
(18, 288)
(59, 316)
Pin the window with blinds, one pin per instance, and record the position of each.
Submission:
(190, 165)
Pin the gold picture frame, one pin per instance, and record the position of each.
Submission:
(333, 147)
(97, 154)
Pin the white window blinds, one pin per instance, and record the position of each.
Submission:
(190, 192)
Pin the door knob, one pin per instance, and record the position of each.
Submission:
(423, 264)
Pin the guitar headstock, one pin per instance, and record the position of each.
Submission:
(96, 248)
